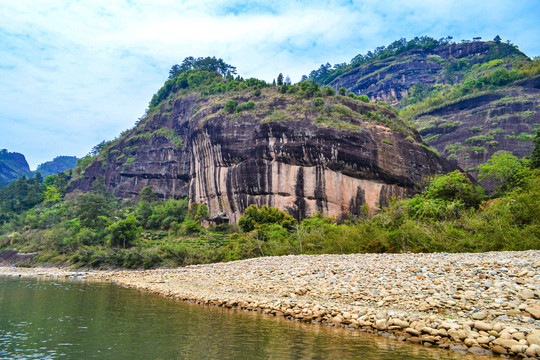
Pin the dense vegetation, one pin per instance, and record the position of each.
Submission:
(206, 75)
(96, 229)
(480, 79)
(450, 213)
(328, 73)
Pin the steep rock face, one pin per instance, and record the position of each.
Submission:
(390, 79)
(298, 162)
(12, 166)
(473, 129)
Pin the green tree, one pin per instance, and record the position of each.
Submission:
(97, 149)
(280, 79)
(90, 208)
(202, 213)
(124, 232)
(454, 186)
(175, 71)
(33, 192)
(342, 91)
(205, 64)
(503, 169)
(51, 194)
(148, 194)
(535, 156)
(230, 106)
(329, 91)
(144, 213)
(363, 98)
(254, 217)
(61, 182)
(192, 211)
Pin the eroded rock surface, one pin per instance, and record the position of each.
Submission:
(281, 154)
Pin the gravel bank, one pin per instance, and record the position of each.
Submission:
(487, 303)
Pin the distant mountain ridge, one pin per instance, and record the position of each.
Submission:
(13, 165)
(58, 164)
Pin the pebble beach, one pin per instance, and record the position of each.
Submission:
(482, 303)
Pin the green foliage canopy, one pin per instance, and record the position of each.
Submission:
(504, 169)
(207, 64)
(93, 209)
(124, 232)
(254, 217)
(535, 156)
(454, 186)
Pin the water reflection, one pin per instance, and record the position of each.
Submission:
(74, 320)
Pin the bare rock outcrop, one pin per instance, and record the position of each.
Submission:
(284, 153)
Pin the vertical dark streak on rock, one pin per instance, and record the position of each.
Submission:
(269, 184)
(355, 207)
(388, 192)
(230, 186)
(300, 202)
(320, 190)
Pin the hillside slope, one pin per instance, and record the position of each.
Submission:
(388, 74)
(299, 148)
(470, 130)
(468, 100)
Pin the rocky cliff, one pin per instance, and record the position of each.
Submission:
(390, 79)
(330, 155)
(426, 81)
(472, 129)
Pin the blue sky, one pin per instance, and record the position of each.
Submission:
(73, 73)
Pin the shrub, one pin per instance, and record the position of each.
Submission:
(363, 98)
(246, 106)
(505, 170)
(535, 156)
(192, 227)
(124, 232)
(454, 186)
(328, 91)
(230, 106)
(318, 102)
(202, 213)
(254, 217)
(91, 207)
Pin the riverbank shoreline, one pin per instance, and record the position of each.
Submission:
(484, 304)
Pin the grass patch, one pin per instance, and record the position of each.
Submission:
(174, 139)
(322, 121)
(479, 139)
(432, 138)
(430, 149)
(277, 116)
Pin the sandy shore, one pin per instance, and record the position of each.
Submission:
(487, 303)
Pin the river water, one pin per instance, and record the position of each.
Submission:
(44, 319)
